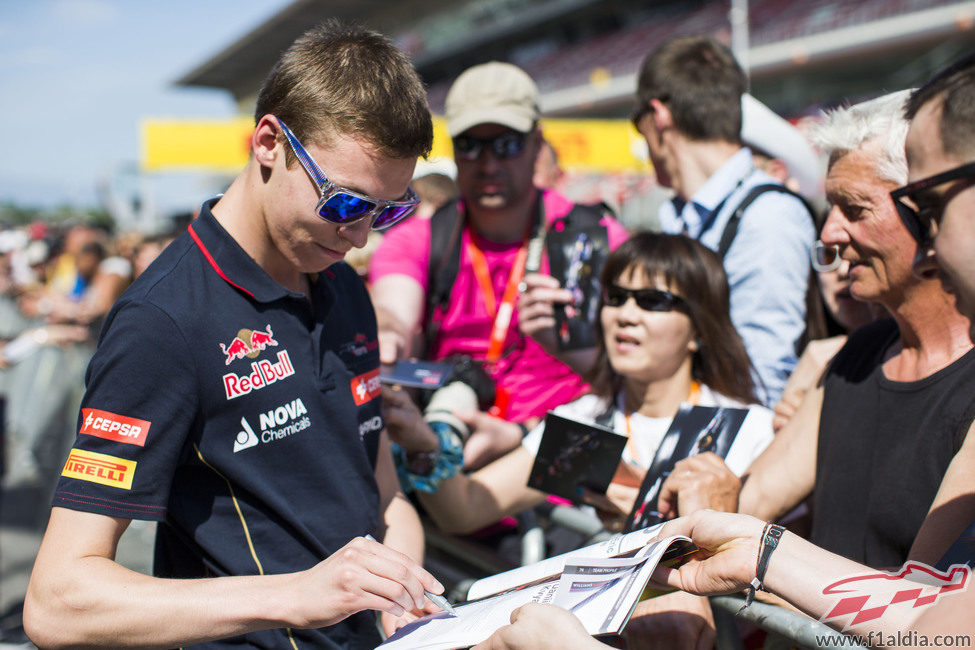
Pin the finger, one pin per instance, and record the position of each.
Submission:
(534, 280)
(396, 567)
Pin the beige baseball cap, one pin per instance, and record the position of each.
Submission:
(492, 93)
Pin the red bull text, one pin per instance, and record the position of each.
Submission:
(263, 373)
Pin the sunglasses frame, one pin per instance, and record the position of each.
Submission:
(920, 226)
(666, 300)
(814, 258)
(329, 190)
(485, 144)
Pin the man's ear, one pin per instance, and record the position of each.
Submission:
(662, 119)
(264, 141)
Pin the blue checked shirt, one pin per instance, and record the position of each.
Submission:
(767, 264)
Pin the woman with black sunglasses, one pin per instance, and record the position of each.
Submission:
(665, 338)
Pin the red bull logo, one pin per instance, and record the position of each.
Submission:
(868, 597)
(263, 373)
(247, 343)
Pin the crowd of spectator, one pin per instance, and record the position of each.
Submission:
(848, 352)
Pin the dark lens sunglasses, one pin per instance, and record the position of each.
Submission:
(646, 299)
(920, 215)
(505, 146)
(345, 207)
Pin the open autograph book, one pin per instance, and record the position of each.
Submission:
(601, 584)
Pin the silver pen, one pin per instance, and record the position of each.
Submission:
(439, 601)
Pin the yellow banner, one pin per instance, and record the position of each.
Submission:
(603, 146)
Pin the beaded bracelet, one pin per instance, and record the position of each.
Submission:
(771, 536)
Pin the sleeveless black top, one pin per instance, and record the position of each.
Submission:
(884, 447)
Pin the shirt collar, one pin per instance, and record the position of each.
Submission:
(715, 190)
(230, 261)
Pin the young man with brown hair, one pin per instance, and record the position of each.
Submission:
(234, 395)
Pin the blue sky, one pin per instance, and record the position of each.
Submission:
(76, 77)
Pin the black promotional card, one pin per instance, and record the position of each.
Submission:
(695, 429)
(576, 258)
(416, 374)
(575, 455)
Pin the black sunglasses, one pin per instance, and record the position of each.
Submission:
(505, 146)
(646, 299)
(921, 213)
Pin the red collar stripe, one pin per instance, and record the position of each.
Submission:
(213, 262)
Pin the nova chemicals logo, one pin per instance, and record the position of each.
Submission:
(276, 424)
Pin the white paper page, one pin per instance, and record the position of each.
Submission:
(474, 622)
(616, 545)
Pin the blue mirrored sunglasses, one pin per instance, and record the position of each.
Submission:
(343, 206)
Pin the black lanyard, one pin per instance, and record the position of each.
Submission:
(708, 223)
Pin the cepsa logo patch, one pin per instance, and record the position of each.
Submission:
(113, 426)
(366, 387)
(100, 468)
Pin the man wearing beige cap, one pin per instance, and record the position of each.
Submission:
(496, 305)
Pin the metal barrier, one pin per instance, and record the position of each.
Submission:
(797, 629)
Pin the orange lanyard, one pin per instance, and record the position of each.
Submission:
(692, 398)
(505, 311)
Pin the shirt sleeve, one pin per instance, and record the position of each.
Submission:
(140, 404)
(768, 272)
(404, 250)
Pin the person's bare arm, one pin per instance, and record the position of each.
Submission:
(403, 530)
(953, 508)
(399, 303)
(784, 474)
(467, 502)
(79, 596)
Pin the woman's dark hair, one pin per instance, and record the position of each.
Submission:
(696, 274)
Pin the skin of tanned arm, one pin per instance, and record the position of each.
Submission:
(467, 502)
(784, 474)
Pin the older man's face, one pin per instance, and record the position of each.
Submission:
(954, 231)
(864, 223)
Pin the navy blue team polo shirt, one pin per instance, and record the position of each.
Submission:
(242, 416)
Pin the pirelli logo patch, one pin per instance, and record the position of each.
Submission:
(112, 426)
(100, 468)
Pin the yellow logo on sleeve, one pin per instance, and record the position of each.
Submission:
(100, 468)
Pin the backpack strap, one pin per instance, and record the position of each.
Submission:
(446, 226)
(731, 228)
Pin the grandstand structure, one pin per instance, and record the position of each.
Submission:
(584, 54)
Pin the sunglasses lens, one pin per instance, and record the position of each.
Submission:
(392, 214)
(509, 145)
(467, 148)
(343, 208)
(653, 300)
(912, 220)
(646, 299)
(825, 258)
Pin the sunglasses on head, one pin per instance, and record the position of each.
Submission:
(343, 206)
(505, 146)
(920, 212)
(646, 299)
(825, 258)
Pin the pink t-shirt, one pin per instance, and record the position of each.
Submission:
(534, 380)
